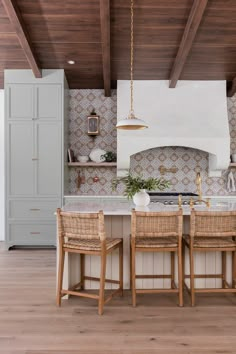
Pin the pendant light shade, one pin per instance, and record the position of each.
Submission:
(131, 122)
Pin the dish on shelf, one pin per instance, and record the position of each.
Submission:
(96, 155)
(83, 158)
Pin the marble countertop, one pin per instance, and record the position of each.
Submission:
(124, 207)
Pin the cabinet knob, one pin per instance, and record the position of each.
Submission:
(34, 158)
(35, 233)
(34, 209)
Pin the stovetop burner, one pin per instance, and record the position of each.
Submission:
(171, 198)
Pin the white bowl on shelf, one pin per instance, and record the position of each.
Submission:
(83, 158)
(96, 155)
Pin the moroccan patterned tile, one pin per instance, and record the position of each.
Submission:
(187, 161)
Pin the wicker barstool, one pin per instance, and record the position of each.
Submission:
(84, 234)
(210, 231)
(157, 232)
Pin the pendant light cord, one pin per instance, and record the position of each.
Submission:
(131, 57)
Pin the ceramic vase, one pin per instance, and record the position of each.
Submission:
(141, 198)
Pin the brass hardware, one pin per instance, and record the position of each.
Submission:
(35, 233)
(180, 201)
(199, 191)
(207, 202)
(34, 209)
(34, 158)
(193, 202)
(199, 186)
(164, 170)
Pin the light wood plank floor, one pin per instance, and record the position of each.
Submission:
(30, 323)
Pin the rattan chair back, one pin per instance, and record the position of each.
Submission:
(157, 224)
(213, 223)
(87, 226)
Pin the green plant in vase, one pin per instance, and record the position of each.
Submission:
(109, 156)
(136, 187)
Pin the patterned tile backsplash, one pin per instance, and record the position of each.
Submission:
(187, 161)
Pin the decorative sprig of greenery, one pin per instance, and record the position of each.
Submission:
(109, 156)
(134, 184)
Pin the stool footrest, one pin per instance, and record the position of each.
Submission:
(158, 276)
(98, 279)
(156, 291)
(79, 293)
(114, 293)
(204, 276)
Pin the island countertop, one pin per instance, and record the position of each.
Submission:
(122, 207)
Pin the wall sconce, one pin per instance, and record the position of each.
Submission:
(93, 123)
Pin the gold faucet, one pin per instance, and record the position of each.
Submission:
(199, 192)
(180, 201)
(193, 202)
(199, 186)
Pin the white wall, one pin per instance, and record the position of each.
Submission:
(2, 159)
(194, 115)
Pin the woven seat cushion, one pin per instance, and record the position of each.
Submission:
(91, 245)
(203, 241)
(156, 242)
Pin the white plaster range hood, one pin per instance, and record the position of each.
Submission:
(194, 115)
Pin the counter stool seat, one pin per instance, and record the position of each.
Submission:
(160, 242)
(91, 245)
(215, 242)
(84, 234)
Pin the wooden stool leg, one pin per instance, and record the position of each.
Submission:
(191, 259)
(133, 272)
(172, 261)
(121, 267)
(223, 257)
(82, 270)
(180, 275)
(233, 269)
(60, 275)
(102, 283)
(183, 264)
(130, 268)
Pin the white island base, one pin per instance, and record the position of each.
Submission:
(118, 224)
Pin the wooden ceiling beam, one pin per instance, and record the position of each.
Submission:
(106, 45)
(232, 88)
(17, 22)
(186, 43)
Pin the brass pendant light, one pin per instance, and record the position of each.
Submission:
(131, 122)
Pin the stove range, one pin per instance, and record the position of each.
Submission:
(171, 198)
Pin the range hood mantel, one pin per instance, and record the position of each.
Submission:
(193, 115)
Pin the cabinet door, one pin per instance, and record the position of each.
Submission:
(48, 151)
(20, 101)
(48, 102)
(20, 159)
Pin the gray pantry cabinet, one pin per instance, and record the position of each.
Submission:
(35, 112)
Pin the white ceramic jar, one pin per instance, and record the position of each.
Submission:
(141, 198)
(83, 159)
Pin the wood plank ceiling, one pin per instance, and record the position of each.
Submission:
(79, 30)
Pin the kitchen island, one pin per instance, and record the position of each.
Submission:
(117, 213)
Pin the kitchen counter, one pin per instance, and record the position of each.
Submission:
(124, 207)
(117, 213)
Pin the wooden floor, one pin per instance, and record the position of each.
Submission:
(30, 323)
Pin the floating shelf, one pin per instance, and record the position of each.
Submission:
(92, 164)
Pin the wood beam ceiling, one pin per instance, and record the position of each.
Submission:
(106, 45)
(21, 32)
(190, 31)
(232, 89)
